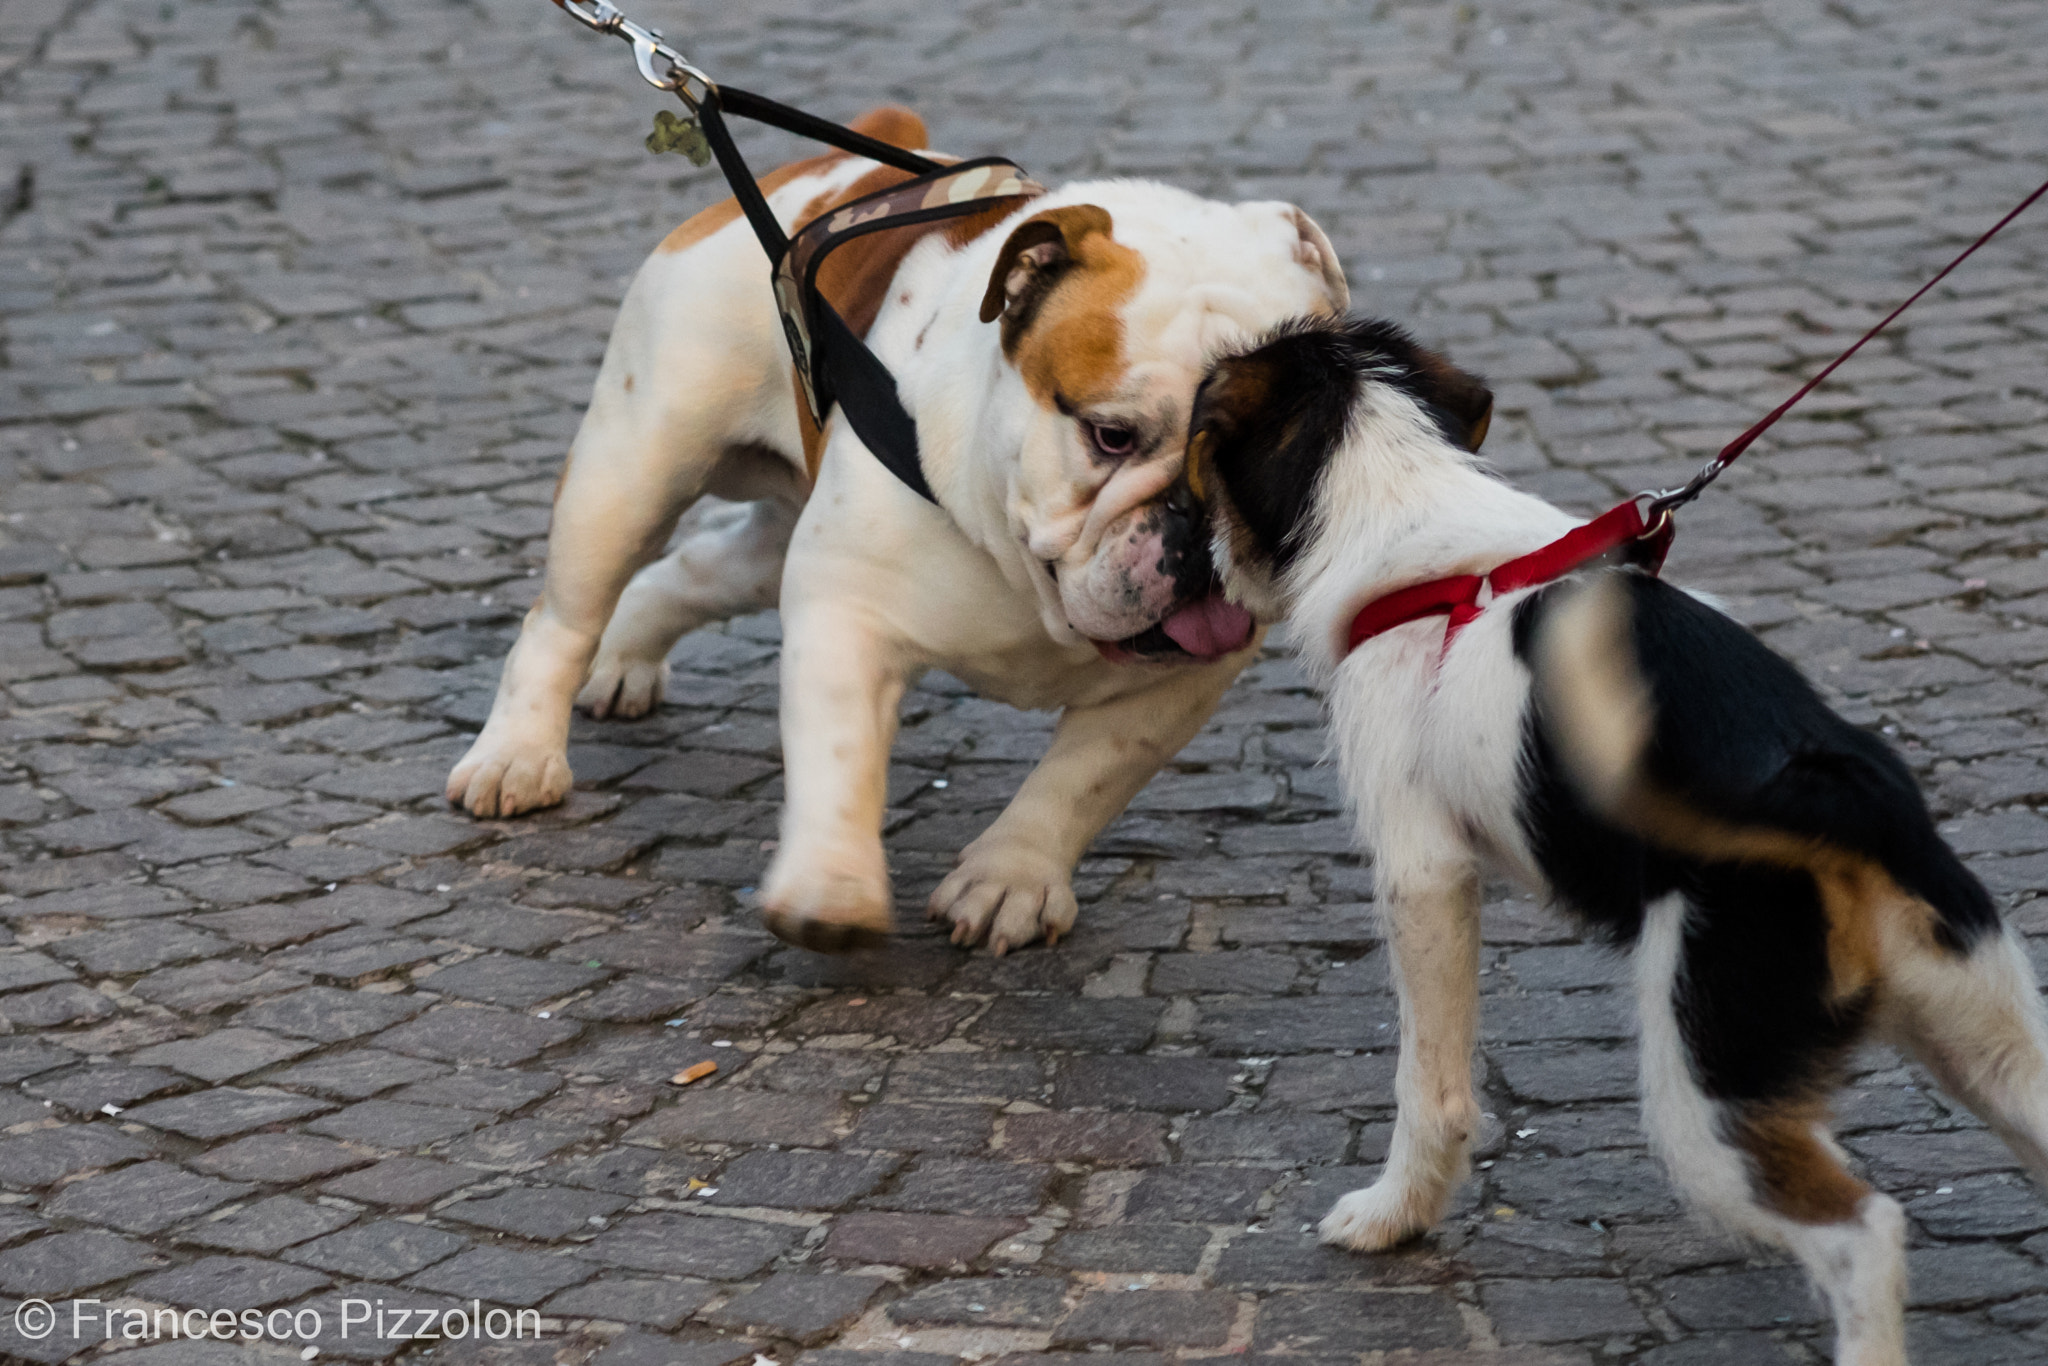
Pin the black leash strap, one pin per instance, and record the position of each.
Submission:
(832, 364)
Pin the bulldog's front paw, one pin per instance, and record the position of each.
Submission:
(1008, 895)
(503, 776)
(829, 904)
(1383, 1214)
(624, 686)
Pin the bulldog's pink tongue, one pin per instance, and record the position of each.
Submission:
(1214, 626)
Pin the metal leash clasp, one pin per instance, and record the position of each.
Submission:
(1659, 504)
(673, 72)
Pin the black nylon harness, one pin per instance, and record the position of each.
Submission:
(833, 365)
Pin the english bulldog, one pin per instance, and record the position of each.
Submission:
(1049, 350)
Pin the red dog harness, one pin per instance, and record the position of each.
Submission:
(1623, 531)
(1464, 596)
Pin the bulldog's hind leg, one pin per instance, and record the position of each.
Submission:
(728, 562)
(1014, 884)
(638, 460)
(614, 510)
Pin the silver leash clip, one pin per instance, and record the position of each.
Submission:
(1663, 502)
(661, 66)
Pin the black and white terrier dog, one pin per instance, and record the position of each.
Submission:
(1641, 759)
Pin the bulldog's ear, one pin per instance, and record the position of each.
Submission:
(1041, 249)
(1312, 248)
(1461, 400)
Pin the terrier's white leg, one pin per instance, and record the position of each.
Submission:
(1975, 1021)
(1433, 933)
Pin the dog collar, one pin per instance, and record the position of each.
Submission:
(1462, 597)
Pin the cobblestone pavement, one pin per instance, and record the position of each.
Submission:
(301, 300)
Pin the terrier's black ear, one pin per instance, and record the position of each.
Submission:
(1264, 426)
(1460, 401)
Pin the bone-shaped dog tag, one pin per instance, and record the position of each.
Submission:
(672, 134)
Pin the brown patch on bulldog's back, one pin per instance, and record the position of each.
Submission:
(1067, 339)
(856, 277)
(890, 123)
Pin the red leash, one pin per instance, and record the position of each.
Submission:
(1640, 529)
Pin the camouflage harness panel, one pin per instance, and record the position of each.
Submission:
(953, 192)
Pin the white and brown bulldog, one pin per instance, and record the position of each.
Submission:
(1049, 350)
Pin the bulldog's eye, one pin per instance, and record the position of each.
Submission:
(1112, 440)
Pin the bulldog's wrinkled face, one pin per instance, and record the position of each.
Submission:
(1111, 308)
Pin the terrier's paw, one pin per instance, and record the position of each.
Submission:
(1007, 895)
(1380, 1216)
(829, 905)
(502, 777)
(624, 686)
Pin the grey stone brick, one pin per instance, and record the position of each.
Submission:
(387, 1250)
(952, 1186)
(506, 980)
(83, 1090)
(224, 1054)
(1583, 1309)
(1087, 1136)
(1168, 1248)
(1150, 1318)
(394, 1124)
(691, 1245)
(329, 1014)
(1145, 1083)
(146, 1197)
(229, 1283)
(805, 1308)
(476, 1035)
(538, 1214)
(45, 1156)
(279, 1159)
(517, 1144)
(267, 1226)
(729, 1116)
(225, 1111)
(504, 1275)
(67, 1263)
(802, 1180)
(356, 1075)
(1357, 1320)
(657, 1304)
(402, 1182)
(937, 1242)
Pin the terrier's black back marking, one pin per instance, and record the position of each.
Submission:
(1740, 737)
